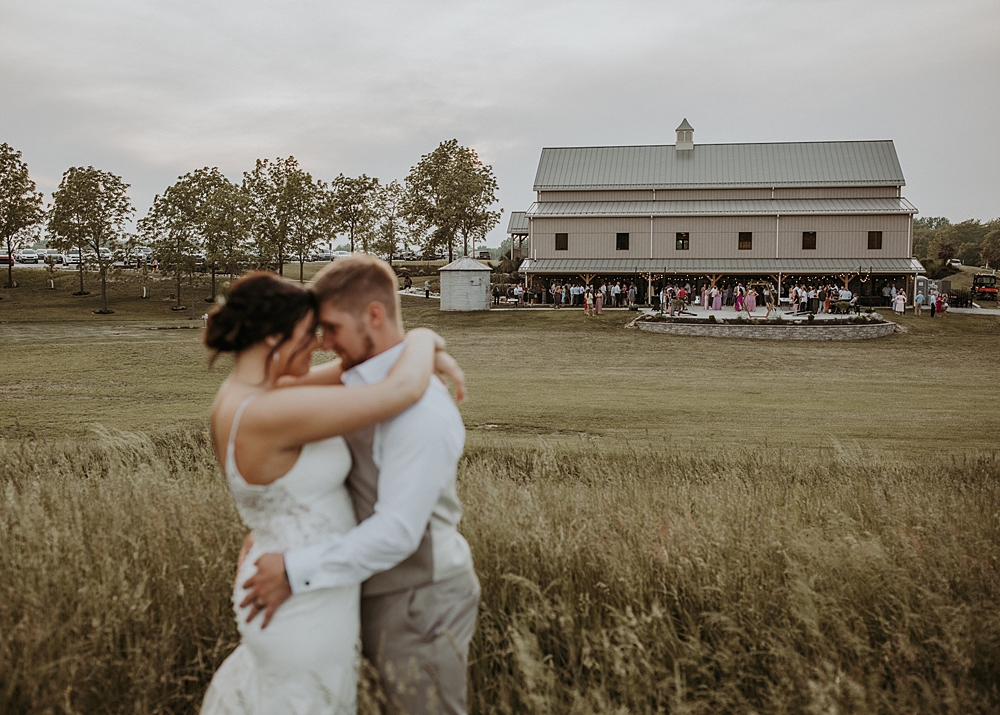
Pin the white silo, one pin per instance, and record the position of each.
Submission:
(465, 285)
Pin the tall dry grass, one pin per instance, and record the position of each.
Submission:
(613, 581)
(115, 574)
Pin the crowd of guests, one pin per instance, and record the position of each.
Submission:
(825, 298)
(936, 303)
(618, 294)
(672, 299)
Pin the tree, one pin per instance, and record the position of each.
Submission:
(990, 248)
(450, 192)
(20, 204)
(89, 212)
(277, 191)
(926, 231)
(222, 221)
(352, 207)
(171, 229)
(311, 220)
(391, 229)
(944, 250)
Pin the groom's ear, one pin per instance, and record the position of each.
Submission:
(375, 313)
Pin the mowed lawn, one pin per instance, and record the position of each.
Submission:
(532, 374)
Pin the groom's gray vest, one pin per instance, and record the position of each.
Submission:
(362, 483)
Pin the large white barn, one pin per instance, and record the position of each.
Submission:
(784, 211)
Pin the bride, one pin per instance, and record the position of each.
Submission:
(285, 464)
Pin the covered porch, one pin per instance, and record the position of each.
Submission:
(864, 277)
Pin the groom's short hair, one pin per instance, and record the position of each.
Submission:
(352, 283)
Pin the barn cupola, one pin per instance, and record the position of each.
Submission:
(685, 136)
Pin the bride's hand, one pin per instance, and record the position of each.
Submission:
(446, 366)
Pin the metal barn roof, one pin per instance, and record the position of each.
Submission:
(846, 163)
(739, 266)
(518, 224)
(720, 208)
(465, 264)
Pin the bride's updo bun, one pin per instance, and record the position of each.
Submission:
(258, 305)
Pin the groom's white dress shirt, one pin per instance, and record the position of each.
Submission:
(417, 454)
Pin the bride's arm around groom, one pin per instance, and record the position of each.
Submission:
(420, 594)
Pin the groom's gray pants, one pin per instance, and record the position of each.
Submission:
(419, 641)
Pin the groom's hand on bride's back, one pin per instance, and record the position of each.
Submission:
(268, 588)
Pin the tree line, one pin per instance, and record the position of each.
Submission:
(277, 215)
(936, 240)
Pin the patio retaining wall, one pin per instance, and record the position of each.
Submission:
(772, 332)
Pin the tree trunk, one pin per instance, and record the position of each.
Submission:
(281, 262)
(213, 282)
(352, 238)
(104, 288)
(10, 267)
(300, 269)
(178, 289)
(81, 271)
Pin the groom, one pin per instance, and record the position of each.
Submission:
(420, 594)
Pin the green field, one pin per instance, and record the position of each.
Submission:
(660, 524)
(535, 374)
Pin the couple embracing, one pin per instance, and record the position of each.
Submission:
(345, 474)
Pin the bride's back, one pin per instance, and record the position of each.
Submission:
(307, 503)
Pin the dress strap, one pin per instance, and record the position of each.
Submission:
(231, 446)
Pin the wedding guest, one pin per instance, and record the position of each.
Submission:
(899, 302)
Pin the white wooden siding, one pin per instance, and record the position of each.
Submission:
(718, 236)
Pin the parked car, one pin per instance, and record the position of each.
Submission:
(5, 259)
(71, 258)
(341, 254)
(27, 255)
(321, 255)
(955, 262)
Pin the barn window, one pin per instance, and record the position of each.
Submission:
(562, 241)
(808, 240)
(746, 240)
(683, 241)
(874, 240)
(621, 242)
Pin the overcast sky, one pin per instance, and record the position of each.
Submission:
(151, 90)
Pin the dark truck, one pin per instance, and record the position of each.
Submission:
(984, 286)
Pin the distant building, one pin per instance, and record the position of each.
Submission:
(804, 211)
(517, 231)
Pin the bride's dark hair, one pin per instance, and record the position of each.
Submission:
(258, 305)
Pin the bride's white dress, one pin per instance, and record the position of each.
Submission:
(306, 660)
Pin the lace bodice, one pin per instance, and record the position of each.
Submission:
(306, 504)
